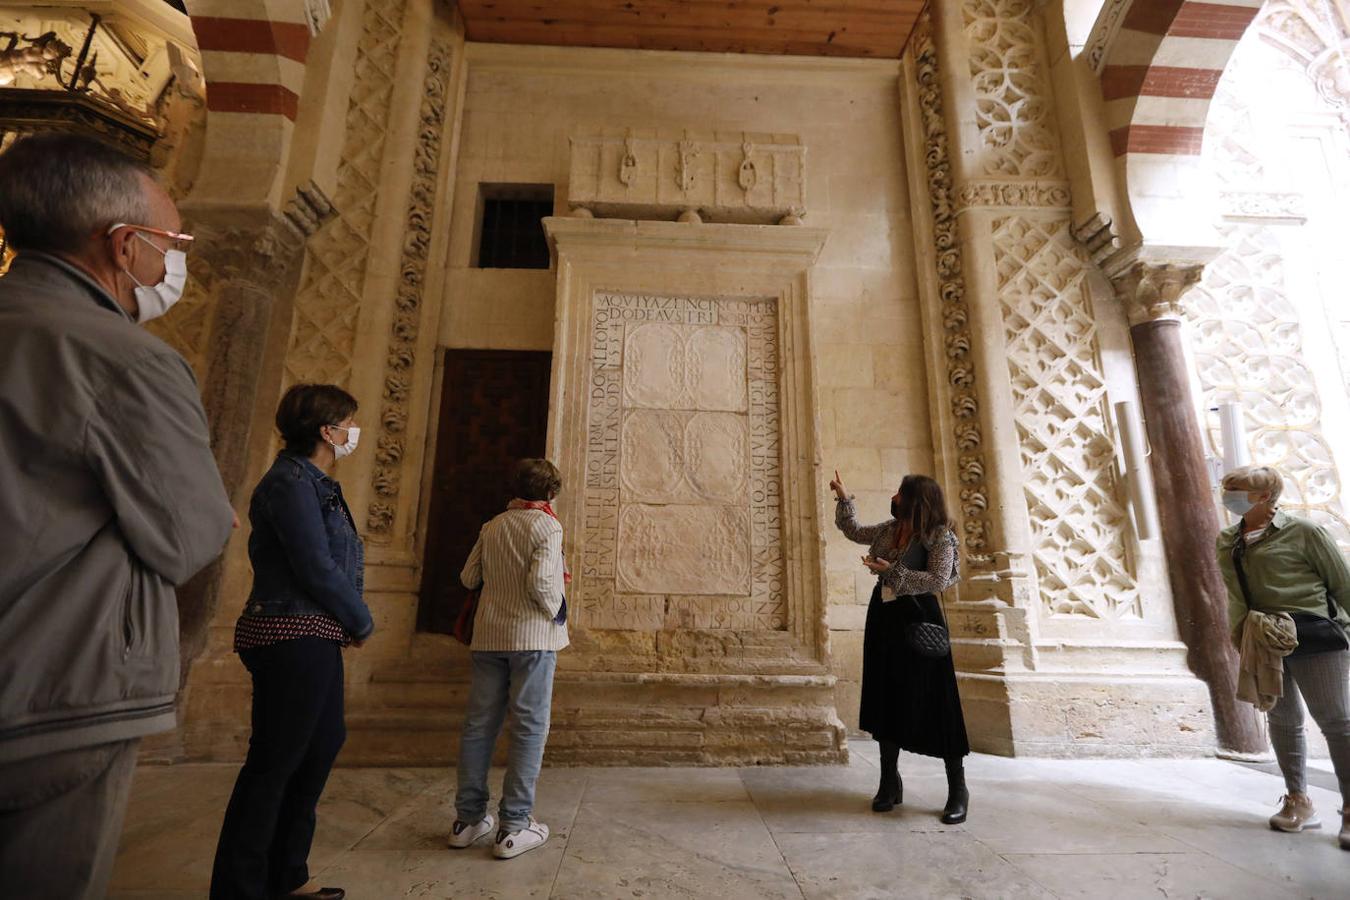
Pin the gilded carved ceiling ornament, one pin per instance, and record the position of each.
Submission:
(964, 402)
(408, 302)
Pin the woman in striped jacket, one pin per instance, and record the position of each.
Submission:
(518, 630)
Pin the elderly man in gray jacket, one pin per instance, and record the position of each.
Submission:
(109, 496)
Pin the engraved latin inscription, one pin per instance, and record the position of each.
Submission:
(682, 505)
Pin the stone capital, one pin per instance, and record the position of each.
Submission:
(251, 245)
(1151, 291)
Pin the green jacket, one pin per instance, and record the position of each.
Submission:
(1291, 568)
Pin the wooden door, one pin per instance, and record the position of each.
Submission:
(493, 411)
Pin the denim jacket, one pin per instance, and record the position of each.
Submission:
(307, 557)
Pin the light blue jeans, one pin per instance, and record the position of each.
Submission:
(522, 682)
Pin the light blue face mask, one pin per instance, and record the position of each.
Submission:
(1236, 502)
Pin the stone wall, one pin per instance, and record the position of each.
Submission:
(522, 104)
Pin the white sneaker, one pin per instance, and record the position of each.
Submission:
(514, 843)
(462, 834)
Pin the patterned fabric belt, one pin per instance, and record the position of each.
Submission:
(260, 631)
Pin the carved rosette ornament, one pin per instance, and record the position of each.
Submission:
(1152, 291)
(392, 429)
(964, 403)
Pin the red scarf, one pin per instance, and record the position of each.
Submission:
(542, 506)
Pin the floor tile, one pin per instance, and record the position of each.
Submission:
(650, 850)
(1145, 876)
(953, 864)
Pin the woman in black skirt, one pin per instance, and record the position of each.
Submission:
(909, 701)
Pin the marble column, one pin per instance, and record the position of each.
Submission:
(1190, 523)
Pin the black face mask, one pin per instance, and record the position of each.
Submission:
(896, 511)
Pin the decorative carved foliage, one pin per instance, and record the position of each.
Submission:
(1104, 31)
(682, 500)
(1059, 396)
(960, 388)
(1024, 194)
(1248, 348)
(1315, 34)
(402, 352)
(323, 330)
(1013, 106)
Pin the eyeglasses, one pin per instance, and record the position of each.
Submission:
(174, 236)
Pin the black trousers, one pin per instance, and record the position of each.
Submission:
(297, 732)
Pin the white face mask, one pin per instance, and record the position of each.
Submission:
(153, 301)
(353, 437)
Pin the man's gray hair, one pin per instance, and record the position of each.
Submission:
(58, 190)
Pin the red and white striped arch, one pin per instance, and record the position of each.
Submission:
(1162, 69)
(253, 54)
(253, 59)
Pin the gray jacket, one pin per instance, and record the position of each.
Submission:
(109, 496)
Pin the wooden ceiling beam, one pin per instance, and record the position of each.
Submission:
(859, 28)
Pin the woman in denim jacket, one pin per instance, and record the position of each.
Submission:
(306, 604)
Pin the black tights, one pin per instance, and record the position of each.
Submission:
(890, 758)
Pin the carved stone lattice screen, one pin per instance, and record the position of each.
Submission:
(683, 420)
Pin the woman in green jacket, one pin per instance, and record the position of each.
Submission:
(1273, 562)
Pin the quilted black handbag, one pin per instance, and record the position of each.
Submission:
(927, 639)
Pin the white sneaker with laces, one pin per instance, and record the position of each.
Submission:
(462, 834)
(513, 843)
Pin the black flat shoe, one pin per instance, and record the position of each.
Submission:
(323, 893)
(954, 813)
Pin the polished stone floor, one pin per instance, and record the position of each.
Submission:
(1038, 828)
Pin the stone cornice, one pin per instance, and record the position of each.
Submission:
(581, 237)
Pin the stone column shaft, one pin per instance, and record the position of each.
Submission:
(1189, 521)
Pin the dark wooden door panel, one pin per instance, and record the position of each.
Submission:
(493, 411)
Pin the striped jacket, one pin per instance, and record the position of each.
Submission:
(519, 562)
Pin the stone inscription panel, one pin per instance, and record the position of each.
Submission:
(682, 508)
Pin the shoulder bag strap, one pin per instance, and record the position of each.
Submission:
(1239, 550)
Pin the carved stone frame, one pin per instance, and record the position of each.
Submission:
(753, 261)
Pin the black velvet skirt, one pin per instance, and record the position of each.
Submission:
(907, 698)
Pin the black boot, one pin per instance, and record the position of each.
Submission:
(958, 798)
(892, 789)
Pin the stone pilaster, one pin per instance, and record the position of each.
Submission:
(1151, 294)
(1064, 632)
(243, 267)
